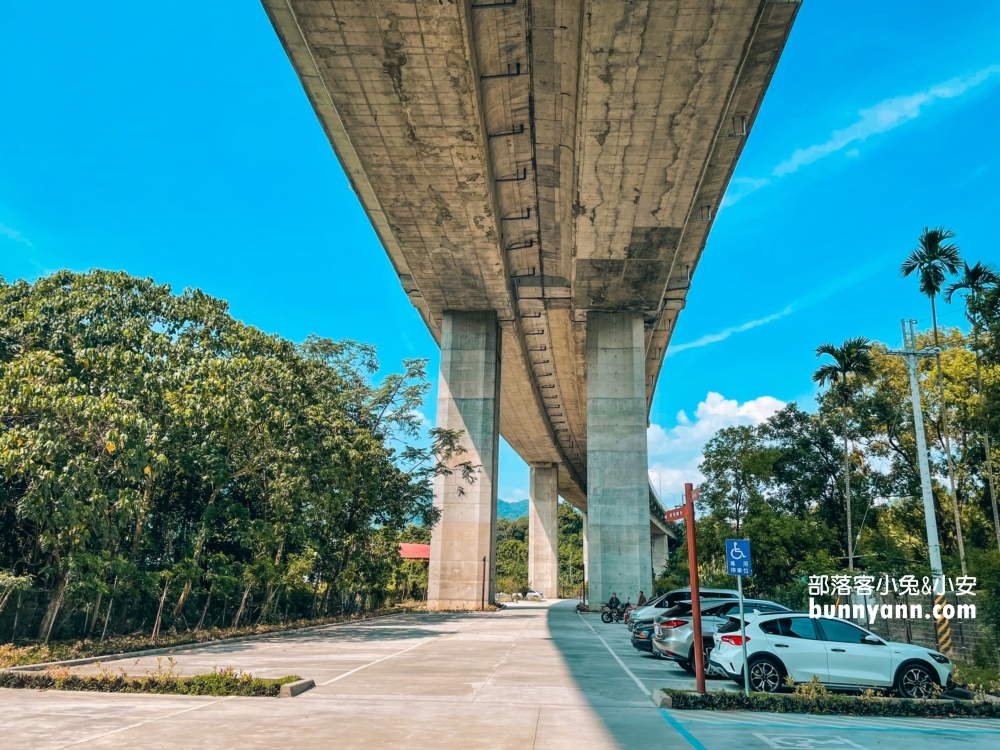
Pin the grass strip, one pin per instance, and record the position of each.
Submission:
(847, 705)
(225, 682)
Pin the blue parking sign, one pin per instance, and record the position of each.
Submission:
(738, 557)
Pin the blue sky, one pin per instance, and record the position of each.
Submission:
(137, 136)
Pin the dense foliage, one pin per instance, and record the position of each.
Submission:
(166, 466)
(512, 553)
(784, 483)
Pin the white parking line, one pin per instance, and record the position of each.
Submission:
(628, 671)
(373, 663)
(390, 656)
(147, 721)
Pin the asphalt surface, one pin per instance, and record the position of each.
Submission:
(535, 675)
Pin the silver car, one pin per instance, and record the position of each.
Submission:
(645, 614)
(673, 630)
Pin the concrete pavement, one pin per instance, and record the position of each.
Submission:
(532, 676)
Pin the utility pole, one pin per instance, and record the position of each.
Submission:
(911, 356)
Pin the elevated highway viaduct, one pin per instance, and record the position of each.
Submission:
(543, 175)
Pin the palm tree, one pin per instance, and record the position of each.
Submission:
(975, 281)
(932, 260)
(851, 361)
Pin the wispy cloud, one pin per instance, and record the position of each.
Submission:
(819, 294)
(12, 234)
(886, 115)
(713, 338)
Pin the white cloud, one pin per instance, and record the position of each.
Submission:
(819, 294)
(712, 338)
(675, 452)
(741, 187)
(884, 116)
(13, 234)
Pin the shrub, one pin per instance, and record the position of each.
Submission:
(226, 681)
(830, 704)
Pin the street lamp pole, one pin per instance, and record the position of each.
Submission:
(912, 356)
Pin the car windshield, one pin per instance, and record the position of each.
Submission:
(684, 608)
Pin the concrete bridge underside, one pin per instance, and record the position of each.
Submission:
(543, 175)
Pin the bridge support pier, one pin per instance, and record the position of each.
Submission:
(468, 400)
(543, 530)
(660, 552)
(586, 562)
(617, 470)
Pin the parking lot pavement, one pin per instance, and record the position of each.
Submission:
(653, 673)
(535, 675)
(706, 730)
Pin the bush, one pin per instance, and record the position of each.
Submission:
(227, 681)
(830, 704)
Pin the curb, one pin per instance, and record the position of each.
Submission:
(184, 647)
(291, 689)
(661, 699)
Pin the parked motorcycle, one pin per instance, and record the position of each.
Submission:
(610, 614)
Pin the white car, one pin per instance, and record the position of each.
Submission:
(841, 654)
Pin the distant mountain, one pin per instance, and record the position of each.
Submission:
(512, 511)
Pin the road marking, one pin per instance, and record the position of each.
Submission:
(373, 663)
(692, 740)
(852, 723)
(390, 656)
(628, 671)
(147, 721)
(806, 742)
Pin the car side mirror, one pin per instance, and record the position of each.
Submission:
(872, 640)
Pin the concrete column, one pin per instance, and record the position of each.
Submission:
(468, 400)
(617, 478)
(660, 552)
(543, 530)
(586, 562)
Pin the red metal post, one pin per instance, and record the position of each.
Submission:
(697, 645)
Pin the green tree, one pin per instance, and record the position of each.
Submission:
(975, 282)
(851, 360)
(737, 466)
(933, 260)
(166, 466)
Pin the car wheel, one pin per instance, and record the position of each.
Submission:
(706, 654)
(765, 676)
(915, 681)
(686, 666)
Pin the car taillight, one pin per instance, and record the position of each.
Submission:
(734, 640)
(672, 624)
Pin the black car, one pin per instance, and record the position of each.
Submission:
(642, 638)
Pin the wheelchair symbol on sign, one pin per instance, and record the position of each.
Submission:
(736, 553)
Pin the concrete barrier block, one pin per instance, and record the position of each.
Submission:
(661, 699)
(291, 689)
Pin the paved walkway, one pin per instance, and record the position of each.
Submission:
(531, 676)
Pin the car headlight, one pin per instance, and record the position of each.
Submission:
(939, 658)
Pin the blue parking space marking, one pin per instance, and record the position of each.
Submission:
(843, 723)
(691, 739)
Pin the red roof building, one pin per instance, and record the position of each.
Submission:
(415, 551)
